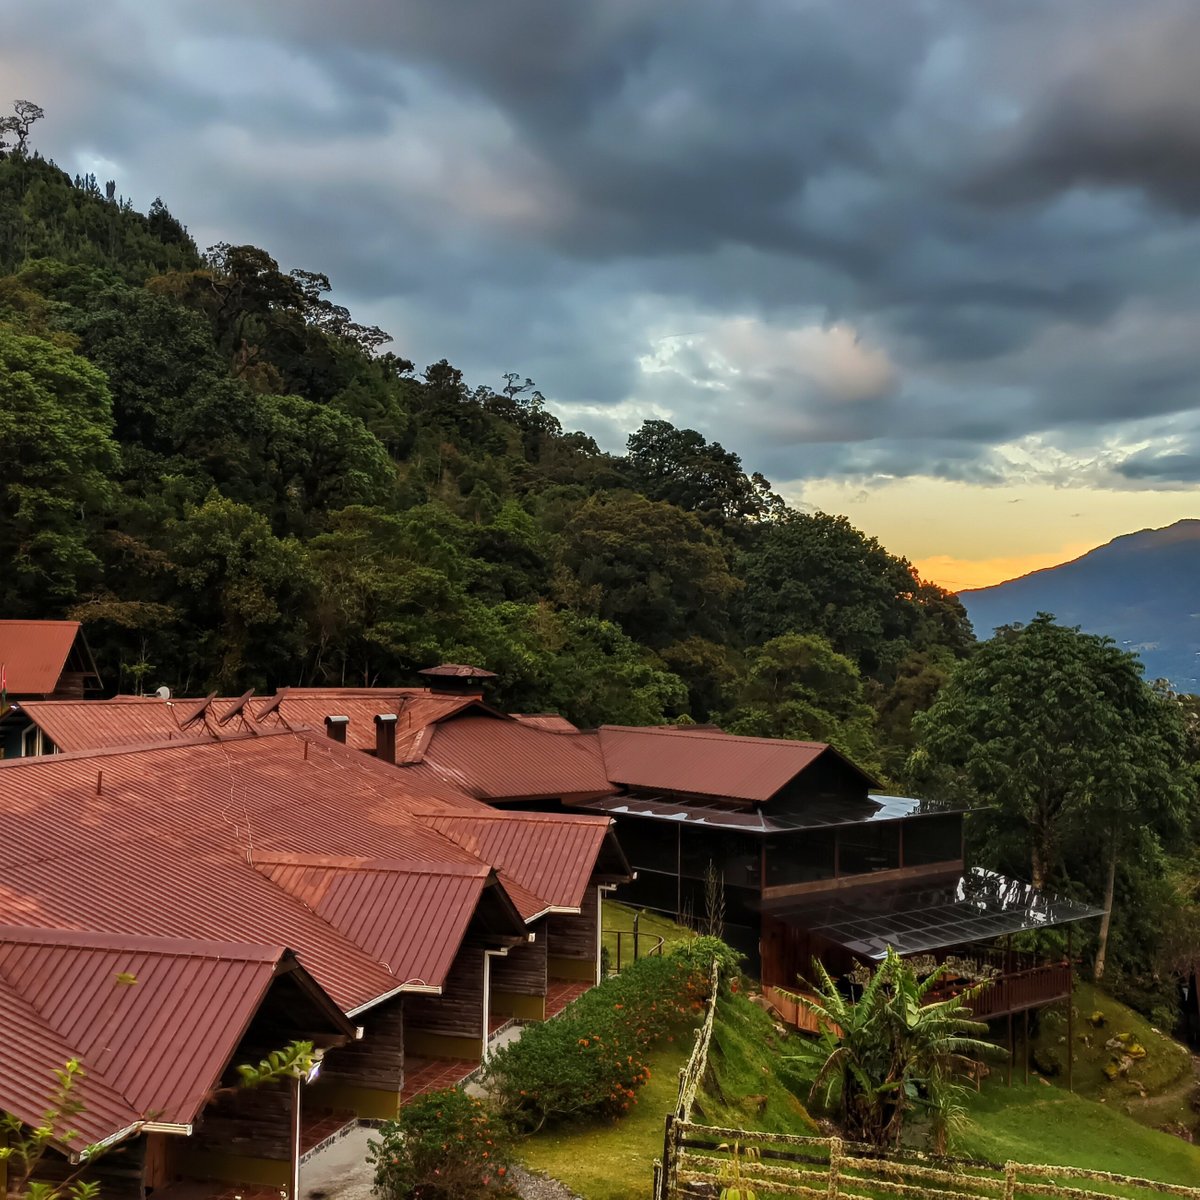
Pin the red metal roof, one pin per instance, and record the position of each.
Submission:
(704, 762)
(508, 760)
(162, 841)
(34, 653)
(154, 1021)
(98, 724)
(550, 858)
(457, 671)
(550, 721)
(31, 1051)
(409, 916)
(415, 710)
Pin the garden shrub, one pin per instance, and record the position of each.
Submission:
(443, 1146)
(592, 1059)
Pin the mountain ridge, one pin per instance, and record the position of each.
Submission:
(1140, 588)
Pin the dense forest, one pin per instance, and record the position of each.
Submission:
(234, 484)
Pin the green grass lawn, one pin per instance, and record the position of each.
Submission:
(1155, 1090)
(751, 1083)
(612, 1160)
(619, 917)
(1037, 1123)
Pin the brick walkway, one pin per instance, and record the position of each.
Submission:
(561, 992)
(423, 1075)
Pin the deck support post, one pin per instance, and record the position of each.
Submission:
(1025, 1043)
(1070, 1009)
(1011, 1049)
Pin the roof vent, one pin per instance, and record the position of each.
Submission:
(336, 728)
(456, 679)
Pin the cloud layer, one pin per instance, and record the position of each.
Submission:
(895, 238)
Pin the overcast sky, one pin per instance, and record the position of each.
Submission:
(933, 264)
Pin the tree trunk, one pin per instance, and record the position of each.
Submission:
(1109, 888)
(1038, 865)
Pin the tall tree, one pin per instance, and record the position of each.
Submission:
(649, 566)
(56, 460)
(1059, 731)
(798, 686)
(816, 573)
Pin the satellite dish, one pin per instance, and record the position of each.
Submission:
(163, 693)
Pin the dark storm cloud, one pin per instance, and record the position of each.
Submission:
(884, 238)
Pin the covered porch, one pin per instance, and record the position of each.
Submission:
(965, 922)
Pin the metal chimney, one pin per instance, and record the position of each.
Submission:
(335, 727)
(385, 737)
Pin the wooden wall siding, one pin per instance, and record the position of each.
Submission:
(377, 1059)
(523, 969)
(570, 936)
(118, 1172)
(69, 686)
(249, 1124)
(459, 1009)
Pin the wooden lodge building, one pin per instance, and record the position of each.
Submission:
(424, 868)
(171, 910)
(43, 660)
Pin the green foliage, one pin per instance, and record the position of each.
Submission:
(797, 686)
(295, 1060)
(892, 1052)
(22, 1148)
(444, 1146)
(210, 462)
(592, 1059)
(816, 573)
(1085, 765)
(56, 456)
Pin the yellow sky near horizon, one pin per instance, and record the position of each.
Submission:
(963, 535)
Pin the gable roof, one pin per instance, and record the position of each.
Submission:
(34, 654)
(545, 857)
(706, 762)
(508, 760)
(154, 1021)
(412, 917)
(170, 840)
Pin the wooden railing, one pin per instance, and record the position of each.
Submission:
(701, 1159)
(1029, 987)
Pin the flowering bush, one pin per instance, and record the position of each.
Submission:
(444, 1146)
(592, 1059)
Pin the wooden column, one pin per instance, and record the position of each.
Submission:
(1070, 1009)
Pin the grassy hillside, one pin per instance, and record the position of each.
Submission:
(1155, 1090)
(1043, 1124)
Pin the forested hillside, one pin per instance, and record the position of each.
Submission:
(234, 485)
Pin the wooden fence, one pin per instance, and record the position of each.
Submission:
(699, 1161)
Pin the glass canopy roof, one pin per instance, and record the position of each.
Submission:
(917, 917)
(814, 814)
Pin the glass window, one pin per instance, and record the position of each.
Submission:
(800, 858)
(649, 845)
(866, 848)
(933, 840)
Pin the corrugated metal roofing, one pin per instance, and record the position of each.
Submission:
(550, 721)
(410, 917)
(414, 708)
(30, 1053)
(457, 671)
(509, 760)
(189, 1007)
(34, 653)
(705, 763)
(163, 840)
(550, 858)
(98, 724)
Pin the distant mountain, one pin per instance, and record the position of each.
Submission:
(1143, 590)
